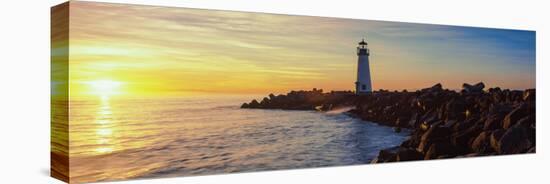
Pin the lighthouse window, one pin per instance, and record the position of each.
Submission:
(363, 87)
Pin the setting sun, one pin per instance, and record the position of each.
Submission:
(104, 87)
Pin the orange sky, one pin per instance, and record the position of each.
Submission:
(147, 50)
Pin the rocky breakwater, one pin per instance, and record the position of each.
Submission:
(448, 124)
(444, 123)
(304, 100)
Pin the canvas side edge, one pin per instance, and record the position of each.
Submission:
(59, 94)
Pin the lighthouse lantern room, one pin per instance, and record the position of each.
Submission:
(363, 83)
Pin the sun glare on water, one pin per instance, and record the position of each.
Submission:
(104, 127)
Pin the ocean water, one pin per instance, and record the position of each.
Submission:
(114, 139)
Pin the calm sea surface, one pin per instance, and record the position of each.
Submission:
(115, 139)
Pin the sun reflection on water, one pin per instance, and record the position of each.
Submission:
(104, 131)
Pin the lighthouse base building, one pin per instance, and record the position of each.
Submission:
(363, 84)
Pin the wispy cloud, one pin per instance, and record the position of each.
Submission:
(207, 50)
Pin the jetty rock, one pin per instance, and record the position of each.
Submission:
(476, 88)
(444, 123)
(304, 100)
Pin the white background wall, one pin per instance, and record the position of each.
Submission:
(24, 89)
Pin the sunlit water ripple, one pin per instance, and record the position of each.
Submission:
(118, 139)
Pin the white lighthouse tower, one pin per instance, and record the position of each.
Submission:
(363, 83)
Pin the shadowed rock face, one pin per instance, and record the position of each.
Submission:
(445, 123)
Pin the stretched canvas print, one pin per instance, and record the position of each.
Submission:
(147, 92)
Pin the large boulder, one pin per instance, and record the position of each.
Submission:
(414, 139)
(529, 95)
(481, 143)
(500, 108)
(495, 90)
(532, 150)
(494, 138)
(413, 122)
(529, 124)
(435, 133)
(527, 121)
(493, 122)
(254, 104)
(434, 89)
(462, 139)
(387, 155)
(402, 121)
(454, 109)
(440, 149)
(513, 117)
(515, 140)
(272, 96)
(265, 102)
(406, 154)
(450, 124)
(476, 88)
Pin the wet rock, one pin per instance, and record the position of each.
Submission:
(245, 105)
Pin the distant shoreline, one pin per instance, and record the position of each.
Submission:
(445, 123)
